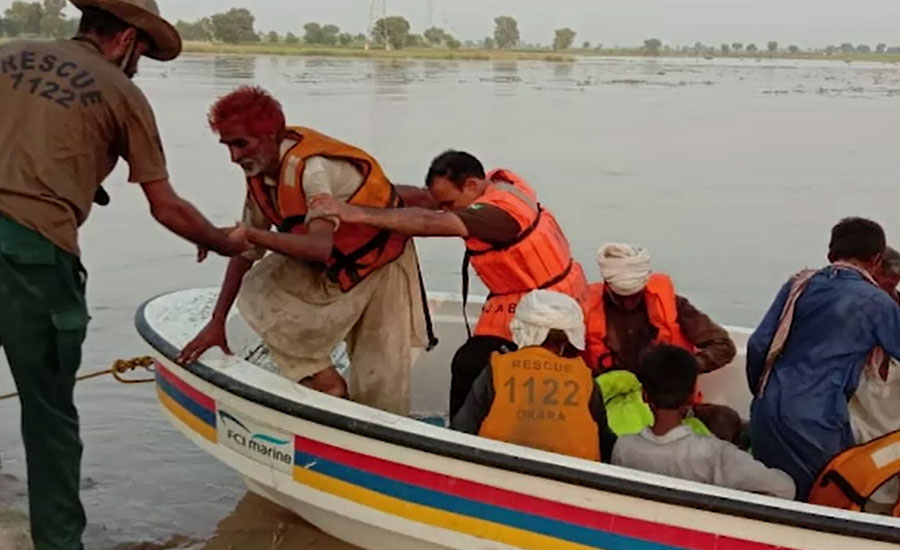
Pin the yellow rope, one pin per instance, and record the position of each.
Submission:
(118, 368)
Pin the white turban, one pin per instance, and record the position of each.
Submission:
(625, 268)
(541, 311)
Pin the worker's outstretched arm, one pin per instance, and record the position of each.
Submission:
(183, 219)
(416, 222)
(314, 245)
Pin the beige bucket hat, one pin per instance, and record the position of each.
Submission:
(144, 15)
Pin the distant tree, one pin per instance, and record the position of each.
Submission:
(793, 48)
(698, 46)
(435, 36)
(893, 50)
(273, 38)
(391, 31)
(862, 48)
(563, 39)
(415, 41)
(52, 21)
(330, 35)
(586, 46)
(360, 37)
(737, 46)
(831, 50)
(313, 33)
(233, 26)
(772, 46)
(489, 43)
(652, 46)
(200, 30)
(847, 47)
(725, 49)
(881, 48)
(23, 18)
(345, 39)
(506, 32)
(752, 48)
(291, 38)
(453, 43)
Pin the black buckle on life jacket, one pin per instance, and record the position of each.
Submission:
(288, 224)
(849, 491)
(499, 247)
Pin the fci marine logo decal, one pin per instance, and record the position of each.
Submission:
(255, 441)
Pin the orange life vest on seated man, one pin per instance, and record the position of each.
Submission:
(853, 476)
(542, 400)
(659, 299)
(538, 258)
(358, 249)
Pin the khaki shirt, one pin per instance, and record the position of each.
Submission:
(66, 116)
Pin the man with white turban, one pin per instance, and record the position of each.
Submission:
(635, 308)
(541, 395)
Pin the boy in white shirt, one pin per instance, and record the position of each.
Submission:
(669, 377)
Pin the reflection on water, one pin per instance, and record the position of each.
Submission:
(729, 171)
(234, 67)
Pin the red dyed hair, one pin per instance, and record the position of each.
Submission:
(250, 106)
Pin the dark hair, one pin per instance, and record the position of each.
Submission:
(456, 166)
(105, 25)
(856, 239)
(558, 339)
(669, 376)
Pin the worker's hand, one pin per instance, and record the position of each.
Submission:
(326, 205)
(236, 244)
(212, 335)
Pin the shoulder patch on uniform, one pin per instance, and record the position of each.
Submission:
(476, 206)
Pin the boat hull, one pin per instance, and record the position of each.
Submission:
(381, 481)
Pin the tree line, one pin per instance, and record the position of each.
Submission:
(653, 46)
(238, 25)
(37, 19)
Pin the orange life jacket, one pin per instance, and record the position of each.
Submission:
(853, 476)
(542, 400)
(358, 249)
(659, 298)
(538, 258)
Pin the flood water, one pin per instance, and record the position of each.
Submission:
(731, 172)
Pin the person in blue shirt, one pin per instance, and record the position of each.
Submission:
(805, 358)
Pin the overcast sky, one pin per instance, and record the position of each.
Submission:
(609, 22)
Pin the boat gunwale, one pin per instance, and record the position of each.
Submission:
(526, 466)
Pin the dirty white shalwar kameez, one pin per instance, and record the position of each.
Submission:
(683, 454)
(301, 315)
(874, 412)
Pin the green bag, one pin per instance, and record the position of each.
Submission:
(626, 411)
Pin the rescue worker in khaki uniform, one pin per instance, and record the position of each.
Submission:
(512, 241)
(69, 110)
(326, 282)
(542, 395)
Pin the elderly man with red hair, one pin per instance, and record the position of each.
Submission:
(322, 282)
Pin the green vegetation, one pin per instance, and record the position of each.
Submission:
(564, 39)
(392, 37)
(282, 48)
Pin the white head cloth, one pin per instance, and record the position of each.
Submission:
(541, 311)
(625, 268)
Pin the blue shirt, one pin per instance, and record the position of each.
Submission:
(801, 422)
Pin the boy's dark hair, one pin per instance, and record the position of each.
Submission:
(669, 376)
(856, 239)
(456, 166)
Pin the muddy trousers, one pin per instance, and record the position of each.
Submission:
(43, 320)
